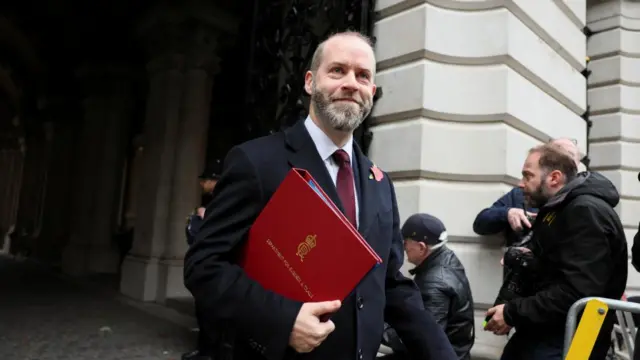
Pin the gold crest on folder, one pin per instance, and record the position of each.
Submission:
(304, 248)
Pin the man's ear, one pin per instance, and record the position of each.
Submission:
(423, 246)
(308, 82)
(556, 177)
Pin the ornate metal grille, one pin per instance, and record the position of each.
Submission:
(283, 38)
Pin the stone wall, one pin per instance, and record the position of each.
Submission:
(614, 94)
(468, 87)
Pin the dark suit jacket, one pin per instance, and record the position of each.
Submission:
(262, 320)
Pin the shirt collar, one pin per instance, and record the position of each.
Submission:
(324, 144)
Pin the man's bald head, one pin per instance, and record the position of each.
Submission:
(570, 146)
(316, 59)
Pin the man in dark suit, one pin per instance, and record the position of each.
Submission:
(266, 325)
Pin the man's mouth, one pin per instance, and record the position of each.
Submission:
(347, 100)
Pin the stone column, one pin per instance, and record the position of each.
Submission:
(103, 254)
(86, 173)
(107, 110)
(33, 190)
(140, 270)
(62, 111)
(484, 85)
(11, 166)
(8, 157)
(42, 187)
(134, 180)
(200, 66)
(614, 90)
(182, 41)
(6, 168)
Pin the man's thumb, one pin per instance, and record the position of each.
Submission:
(326, 307)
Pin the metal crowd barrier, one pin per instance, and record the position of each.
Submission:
(580, 339)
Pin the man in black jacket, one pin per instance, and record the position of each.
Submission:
(581, 251)
(442, 281)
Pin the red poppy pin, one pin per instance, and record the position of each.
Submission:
(376, 173)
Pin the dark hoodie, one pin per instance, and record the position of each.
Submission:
(581, 250)
(635, 252)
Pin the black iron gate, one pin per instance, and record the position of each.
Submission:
(283, 37)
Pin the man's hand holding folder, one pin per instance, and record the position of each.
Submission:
(309, 330)
(302, 247)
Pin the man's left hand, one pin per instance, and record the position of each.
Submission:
(497, 324)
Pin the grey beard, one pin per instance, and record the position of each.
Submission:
(340, 117)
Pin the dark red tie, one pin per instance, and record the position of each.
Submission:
(344, 185)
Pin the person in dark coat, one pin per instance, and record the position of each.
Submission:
(580, 250)
(635, 248)
(208, 180)
(442, 281)
(261, 324)
(509, 215)
(635, 261)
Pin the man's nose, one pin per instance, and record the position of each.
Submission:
(350, 82)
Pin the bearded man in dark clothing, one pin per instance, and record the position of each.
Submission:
(581, 251)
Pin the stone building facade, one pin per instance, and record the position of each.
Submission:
(468, 87)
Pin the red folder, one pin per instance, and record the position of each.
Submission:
(302, 247)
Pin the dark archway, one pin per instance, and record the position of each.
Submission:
(56, 56)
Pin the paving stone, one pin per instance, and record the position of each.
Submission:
(45, 317)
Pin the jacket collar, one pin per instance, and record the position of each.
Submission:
(429, 262)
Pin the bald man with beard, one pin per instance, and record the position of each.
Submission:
(262, 325)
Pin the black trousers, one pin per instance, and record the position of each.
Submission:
(205, 338)
(636, 320)
(525, 346)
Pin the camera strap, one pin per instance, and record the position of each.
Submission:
(525, 240)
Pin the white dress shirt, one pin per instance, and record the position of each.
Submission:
(326, 148)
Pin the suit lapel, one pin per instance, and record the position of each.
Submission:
(367, 205)
(304, 155)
